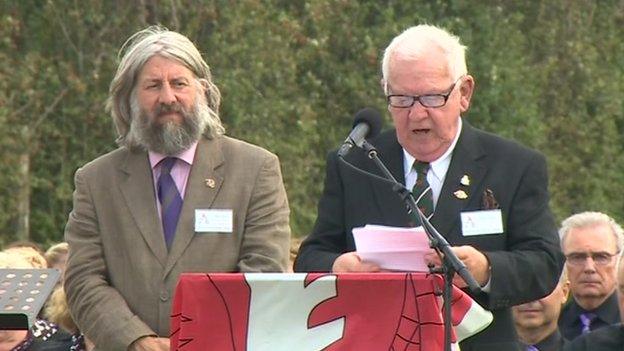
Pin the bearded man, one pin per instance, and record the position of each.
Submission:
(176, 196)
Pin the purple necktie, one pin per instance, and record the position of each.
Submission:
(170, 199)
(531, 348)
(586, 321)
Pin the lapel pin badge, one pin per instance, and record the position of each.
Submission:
(465, 180)
(210, 183)
(460, 194)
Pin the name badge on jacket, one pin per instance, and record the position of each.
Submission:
(214, 221)
(482, 222)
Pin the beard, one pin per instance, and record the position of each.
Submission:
(169, 137)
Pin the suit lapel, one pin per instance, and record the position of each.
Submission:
(202, 187)
(137, 189)
(467, 160)
(393, 209)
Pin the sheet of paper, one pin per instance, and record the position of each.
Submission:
(393, 248)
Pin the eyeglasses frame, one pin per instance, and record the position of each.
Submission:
(591, 255)
(418, 97)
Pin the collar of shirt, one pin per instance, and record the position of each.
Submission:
(179, 172)
(186, 156)
(552, 342)
(607, 313)
(437, 170)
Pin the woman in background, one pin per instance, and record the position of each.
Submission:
(43, 335)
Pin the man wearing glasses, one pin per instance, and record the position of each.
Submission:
(488, 196)
(590, 242)
(609, 338)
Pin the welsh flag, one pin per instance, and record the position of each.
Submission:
(313, 312)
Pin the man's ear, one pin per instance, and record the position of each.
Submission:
(565, 288)
(203, 84)
(465, 91)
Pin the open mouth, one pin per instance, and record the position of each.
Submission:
(421, 131)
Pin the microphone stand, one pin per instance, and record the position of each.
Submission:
(450, 263)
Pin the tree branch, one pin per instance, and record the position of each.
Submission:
(50, 108)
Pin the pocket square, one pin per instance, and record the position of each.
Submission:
(489, 201)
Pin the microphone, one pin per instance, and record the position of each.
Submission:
(367, 124)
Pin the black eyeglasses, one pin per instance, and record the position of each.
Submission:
(599, 258)
(427, 100)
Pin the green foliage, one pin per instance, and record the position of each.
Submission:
(292, 74)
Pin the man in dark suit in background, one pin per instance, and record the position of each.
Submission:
(466, 172)
(610, 337)
(590, 242)
(536, 321)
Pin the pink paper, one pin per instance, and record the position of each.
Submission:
(393, 248)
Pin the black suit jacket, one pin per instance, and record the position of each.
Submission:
(525, 259)
(609, 338)
(606, 314)
(553, 342)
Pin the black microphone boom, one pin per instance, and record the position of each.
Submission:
(367, 124)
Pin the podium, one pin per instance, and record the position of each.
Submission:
(309, 312)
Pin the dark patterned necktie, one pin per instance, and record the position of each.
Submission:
(422, 191)
(170, 199)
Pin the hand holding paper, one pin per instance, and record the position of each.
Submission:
(350, 262)
(475, 261)
(393, 248)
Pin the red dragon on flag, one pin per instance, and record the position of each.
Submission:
(313, 312)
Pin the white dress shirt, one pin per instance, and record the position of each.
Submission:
(437, 170)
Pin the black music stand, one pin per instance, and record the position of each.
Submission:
(23, 292)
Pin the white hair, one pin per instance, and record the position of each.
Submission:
(137, 50)
(590, 219)
(417, 41)
(618, 274)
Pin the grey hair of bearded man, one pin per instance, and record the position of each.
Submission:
(136, 51)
